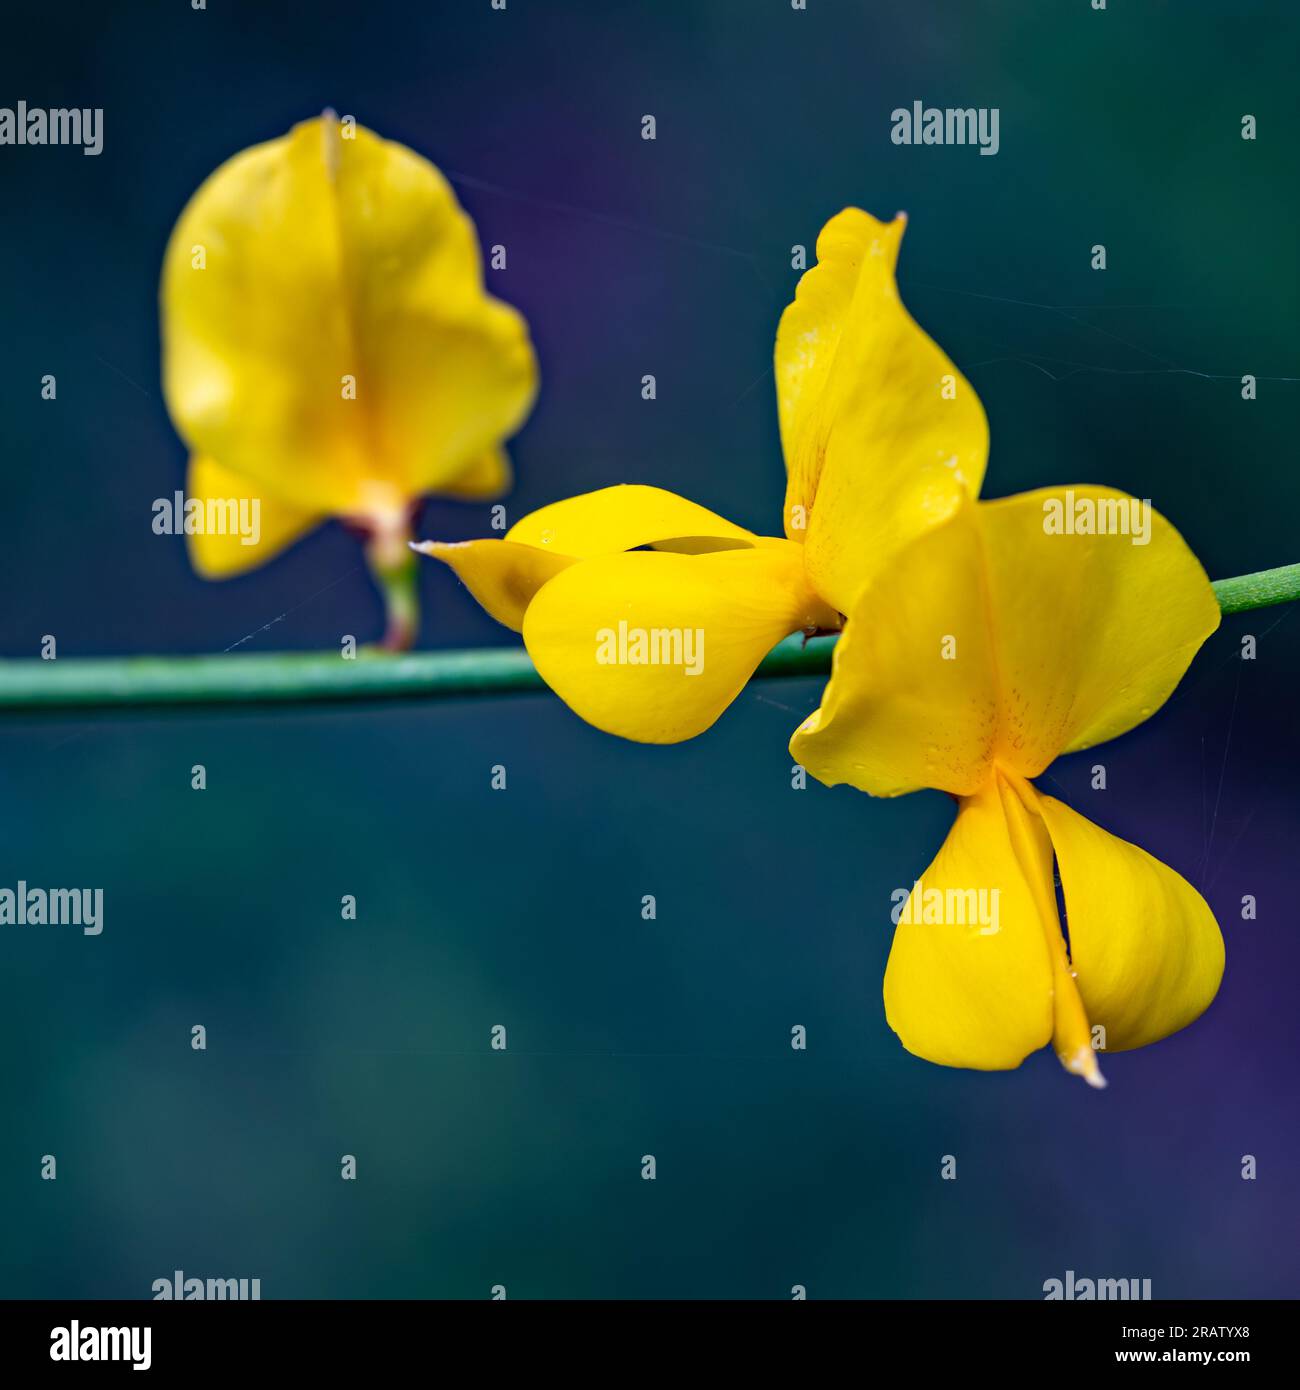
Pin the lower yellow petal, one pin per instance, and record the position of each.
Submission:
(1144, 944)
(959, 990)
(218, 555)
(621, 518)
(503, 576)
(1071, 1031)
(653, 646)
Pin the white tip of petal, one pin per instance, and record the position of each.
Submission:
(1095, 1079)
(1084, 1063)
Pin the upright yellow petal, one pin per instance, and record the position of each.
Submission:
(218, 554)
(653, 646)
(1094, 631)
(962, 991)
(325, 328)
(883, 437)
(1144, 944)
(992, 641)
(913, 697)
(622, 517)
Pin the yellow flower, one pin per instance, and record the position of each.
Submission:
(883, 440)
(981, 640)
(328, 346)
(993, 644)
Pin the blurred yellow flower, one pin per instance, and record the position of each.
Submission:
(883, 439)
(329, 349)
(991, 645)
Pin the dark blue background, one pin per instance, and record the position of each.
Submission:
(523, 907)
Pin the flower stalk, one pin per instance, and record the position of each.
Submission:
(396, 574)
(301, 677)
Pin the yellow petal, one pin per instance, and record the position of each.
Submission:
(275, 524)
(1144, 944)
(314, 265)
(978, 975)
(1094, 631)
(503, 576)
(990, 640)
(883, 437)
(913, 699)
(622, 518)
(487, 478)
(654, 646)
(967, 990)
(1071, 1031)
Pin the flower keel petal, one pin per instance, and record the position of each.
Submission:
(503, 576)
(653, 646)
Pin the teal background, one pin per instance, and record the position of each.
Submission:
(522, 907)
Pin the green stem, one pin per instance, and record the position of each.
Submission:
(395, 571)
(109, 682)
(262, 676)
(1258, 590)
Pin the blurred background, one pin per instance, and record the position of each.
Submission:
(523, 907)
